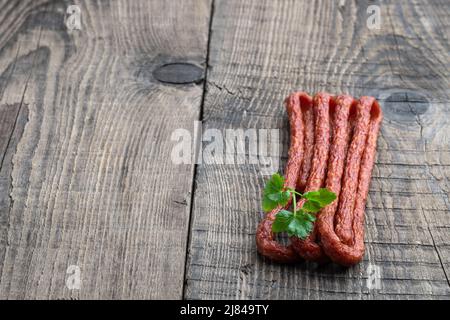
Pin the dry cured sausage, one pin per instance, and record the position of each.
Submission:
(265, 240)
(342, 230)
(333, 145)
(308, 120)
(308, 248)
(344, 215)
(339, 109)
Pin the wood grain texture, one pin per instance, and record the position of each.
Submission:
(86, 177)
(260, 52)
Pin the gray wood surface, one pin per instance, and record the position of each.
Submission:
(263, 50)
(86, 118)
(86, 176)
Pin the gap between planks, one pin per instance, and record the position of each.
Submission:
(194, 184)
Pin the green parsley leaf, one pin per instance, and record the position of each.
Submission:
(275, 184)
(310, 217)
(311, 206)
(274, 194)
(282, 220)
(300, 222)
(323, 197)
(280, 197)
(268, 205)
(300, 226)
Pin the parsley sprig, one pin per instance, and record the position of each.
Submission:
(299, 221)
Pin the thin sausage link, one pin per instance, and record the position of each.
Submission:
(308, 248)
(336, 249)
(308, 120)
(265, 241)
(339, 147)
(344, 216)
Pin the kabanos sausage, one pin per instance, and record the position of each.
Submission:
(344, 217)
(309, 249)
(308, 120)
(265, 241)
(351, 250)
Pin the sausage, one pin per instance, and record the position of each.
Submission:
(309, 249)
(340, 131)
(265, 241)
(308, 120)
(347, 164)
(344, 244)
(344, 217)
(338, 149)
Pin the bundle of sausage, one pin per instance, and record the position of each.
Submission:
(333, 145)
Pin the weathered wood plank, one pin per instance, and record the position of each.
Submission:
(8, 116)
(85, 133)
(261, 51)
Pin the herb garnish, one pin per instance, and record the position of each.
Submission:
(299, 221)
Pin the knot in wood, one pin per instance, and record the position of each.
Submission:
(179, 73)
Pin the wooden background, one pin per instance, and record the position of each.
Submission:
(86, 118)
